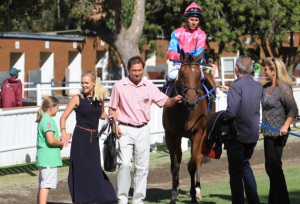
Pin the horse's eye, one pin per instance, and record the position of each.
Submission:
(182, 76)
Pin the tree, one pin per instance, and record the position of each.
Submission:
(18, 15)
(127, 25)
(225, 21)
(37, 15)
(120, 24)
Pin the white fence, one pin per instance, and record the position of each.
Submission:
(40, 88)
(19, 131)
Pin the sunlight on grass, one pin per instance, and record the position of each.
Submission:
(219, 192)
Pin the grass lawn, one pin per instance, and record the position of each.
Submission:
(219, 192)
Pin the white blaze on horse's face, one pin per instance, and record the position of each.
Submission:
(193, 69)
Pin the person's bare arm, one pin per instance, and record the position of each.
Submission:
(114, 114)
(284, 128)
(224, 88)
(52, 141)
(171, 101)
(73, 103)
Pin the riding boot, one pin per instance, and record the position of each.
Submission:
(212, 95)
(165, 86)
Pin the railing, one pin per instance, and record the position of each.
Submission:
(39, 96)
(19, 131)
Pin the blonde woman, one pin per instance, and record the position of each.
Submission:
(278, 111)
(87, 181)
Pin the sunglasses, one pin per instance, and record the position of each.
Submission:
(273, 60)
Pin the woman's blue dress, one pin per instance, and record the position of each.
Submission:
(87, 181)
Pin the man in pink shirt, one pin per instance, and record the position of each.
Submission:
(130, 104)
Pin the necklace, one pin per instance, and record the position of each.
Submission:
(268, 93)
(91, 102)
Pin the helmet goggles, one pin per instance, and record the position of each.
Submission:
(193, 12)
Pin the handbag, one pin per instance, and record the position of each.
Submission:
(109, 150)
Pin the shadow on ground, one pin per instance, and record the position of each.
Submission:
(25, 168)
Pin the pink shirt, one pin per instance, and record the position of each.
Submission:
(133, 102)
(193, 42)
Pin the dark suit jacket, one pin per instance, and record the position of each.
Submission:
(243, 106)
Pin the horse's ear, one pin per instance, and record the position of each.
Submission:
(182, 55)
(199, 57)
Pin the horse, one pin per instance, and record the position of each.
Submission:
(187, 119)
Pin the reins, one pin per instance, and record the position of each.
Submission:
(208, 92)
(272, 128)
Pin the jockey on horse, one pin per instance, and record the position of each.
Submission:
(192, 40)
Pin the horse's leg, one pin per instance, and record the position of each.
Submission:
(192, 171)
(198, 184)
(194, 166)
(175, 164)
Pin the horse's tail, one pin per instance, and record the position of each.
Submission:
(206, 160)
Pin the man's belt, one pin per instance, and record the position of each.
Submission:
(131, 125)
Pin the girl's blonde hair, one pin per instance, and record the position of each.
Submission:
(281, 72)
(48, 102)
(100, 93)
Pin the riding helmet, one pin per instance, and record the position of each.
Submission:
(193, 10)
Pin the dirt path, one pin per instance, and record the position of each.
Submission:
(22, 188)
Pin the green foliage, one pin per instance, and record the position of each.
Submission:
(224, 21)
(18, 15)
(127, 10)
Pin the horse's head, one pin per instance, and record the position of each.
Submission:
(188, 81)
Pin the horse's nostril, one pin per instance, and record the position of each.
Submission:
(191, 106)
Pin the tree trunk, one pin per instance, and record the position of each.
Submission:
(294, 61)
(127, 40)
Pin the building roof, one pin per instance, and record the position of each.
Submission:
(72, 38)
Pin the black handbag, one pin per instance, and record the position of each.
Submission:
(109, 150)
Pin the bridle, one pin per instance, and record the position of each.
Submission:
(184, 87)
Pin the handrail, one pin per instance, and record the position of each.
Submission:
(107, 84)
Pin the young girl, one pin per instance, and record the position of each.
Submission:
(48, 156)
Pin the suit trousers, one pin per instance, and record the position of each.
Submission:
(133, 142)
(273, 147)
(240, 172)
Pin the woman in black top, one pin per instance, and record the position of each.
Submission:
(87, 181)
(279, 109)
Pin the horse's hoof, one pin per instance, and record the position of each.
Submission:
(194, 202)
(198, 194)
(172, 202)
(199, 198)
(174, 196)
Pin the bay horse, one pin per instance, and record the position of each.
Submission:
(187, 119)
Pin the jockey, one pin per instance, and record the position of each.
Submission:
(190, 38)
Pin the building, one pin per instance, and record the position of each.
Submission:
(62, 57)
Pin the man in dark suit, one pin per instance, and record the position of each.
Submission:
(243, 107)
